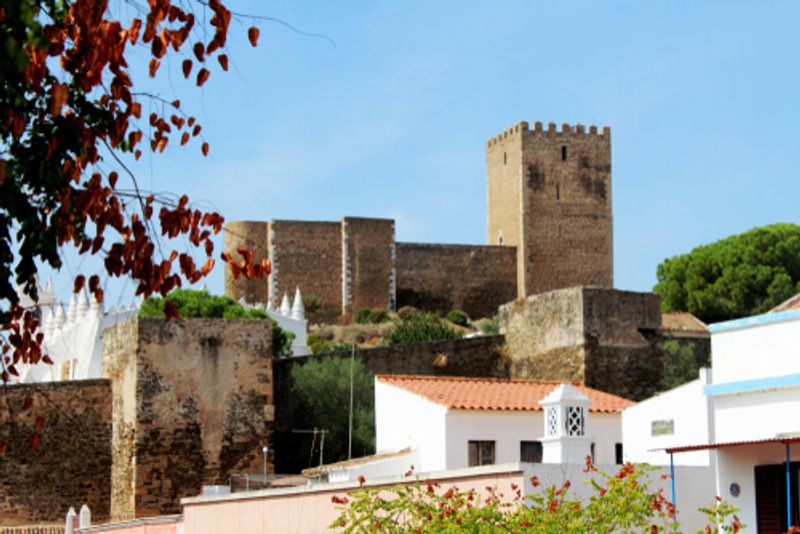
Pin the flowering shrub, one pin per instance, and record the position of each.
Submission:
(622, 502)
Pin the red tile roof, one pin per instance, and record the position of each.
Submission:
(682, 322)
(462, 393)
(789, 304)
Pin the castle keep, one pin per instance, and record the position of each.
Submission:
(549, 226)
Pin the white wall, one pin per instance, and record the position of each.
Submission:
(687, 407)
(765, 349)
(403, 419)
(758, 415)
(694, 486)
(380, 468)
(737, 464)
(508, 428)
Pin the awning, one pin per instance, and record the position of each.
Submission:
(729, 444)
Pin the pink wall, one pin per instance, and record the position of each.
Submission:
(302, 510)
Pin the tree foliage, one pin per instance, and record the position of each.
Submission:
(741, 275)
(70, 118)
(682, 362)
(321, 394)
(420, 327)
(622, 502)
(192, 303)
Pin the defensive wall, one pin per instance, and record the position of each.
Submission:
(67, 462)
(606, 339)
(356, 263)
(192, 405)
(472, 278)
(549, 226)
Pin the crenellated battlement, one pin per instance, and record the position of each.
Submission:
(538, 130)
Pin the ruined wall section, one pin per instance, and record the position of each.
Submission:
(71, 462)
(254, 236)
(566, 207)
(545, 336)
(199, 395)
(473, 278)
(504, 171)
(603, 338)
(623, 353)
(120, 348)
(307, 255)
(368, 267)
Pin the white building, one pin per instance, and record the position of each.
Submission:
(746, 424)
(455, 422)
(675, 417)
(291, 317)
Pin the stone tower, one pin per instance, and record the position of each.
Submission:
(549, 195)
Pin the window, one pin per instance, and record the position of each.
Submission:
(530, 451)
(481, 453)
(505, 158)
(618, 453)
(558, 192)
(665, 427)
(563, 153)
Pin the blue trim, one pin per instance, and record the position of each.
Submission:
(756, 320)
(756, 384)
(672, 482)
(788, 492)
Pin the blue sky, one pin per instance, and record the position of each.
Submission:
(701, 98)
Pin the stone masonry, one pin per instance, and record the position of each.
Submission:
(549, 195)
(603, 338)
(192, 404)
(549, 226)
(71, 462)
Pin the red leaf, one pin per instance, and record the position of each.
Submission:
(187, 68)
(39, 423)
(94, 283)
(176, 104)
(79, 281)
(34, 441)
(204, 148)
(46, 359)
(223, 61)
(253, 34)
(58, 97)
(199, 51)
(112, 179)
(170, 311)
(202, 76)
(154, 64)
(185, 138)
(27, 403)
(196, 130)
(3, 447)
(98, 294)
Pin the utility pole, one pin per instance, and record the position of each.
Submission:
(265, 449)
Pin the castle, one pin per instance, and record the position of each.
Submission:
(549, 226)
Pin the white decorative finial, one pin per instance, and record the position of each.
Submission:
(204, 287)
(49, 320)
(83, 304)
(286, 309)
(298, 310)
(269, 306)
(85, 517)
(72, 310)
(58, 316)
(95, 306)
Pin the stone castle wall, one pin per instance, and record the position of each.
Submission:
(368, 249)
(549, 194)
(604, 338)
(71, 464)
(444, 277)
(193, 404)
(252, 235)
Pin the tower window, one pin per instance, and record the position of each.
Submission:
(564, 153)
(505, 158)
(558, 192)
(500, 239)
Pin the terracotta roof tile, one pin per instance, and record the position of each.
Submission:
(682, 322)
(789, 304)
(463, 393)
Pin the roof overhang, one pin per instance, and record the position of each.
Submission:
(782, 440)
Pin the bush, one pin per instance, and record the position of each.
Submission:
(406, 311)
(200, 304)
(312, 303)
(622, 502)
(458, 317)
(421, 328)
(371, 316)
(490, 327)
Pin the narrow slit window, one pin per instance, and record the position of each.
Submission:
(558, 192)
(505, 158)
(564, 153)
